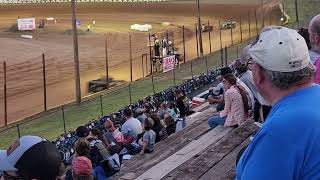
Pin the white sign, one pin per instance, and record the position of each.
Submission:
(27, 24)
(168, 63)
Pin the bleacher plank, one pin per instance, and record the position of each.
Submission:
(139, 164)
(197, 166)
(160, 170)
(225, 169)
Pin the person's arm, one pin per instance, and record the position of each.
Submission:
(144, 142)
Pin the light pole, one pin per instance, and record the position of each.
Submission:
(199, 29)
(76, 53)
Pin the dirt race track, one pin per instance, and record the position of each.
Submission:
(24, 61)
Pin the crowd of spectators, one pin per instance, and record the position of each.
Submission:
(277, 70)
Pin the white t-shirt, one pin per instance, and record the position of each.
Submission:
(132, 127)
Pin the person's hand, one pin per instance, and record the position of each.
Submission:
(141, 153)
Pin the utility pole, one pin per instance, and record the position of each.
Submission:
(199, 29)
(76, 53)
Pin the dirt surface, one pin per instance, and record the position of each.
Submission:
(24, 56)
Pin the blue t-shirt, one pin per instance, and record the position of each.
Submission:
(288, 144)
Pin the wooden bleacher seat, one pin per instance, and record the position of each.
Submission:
(196, 152)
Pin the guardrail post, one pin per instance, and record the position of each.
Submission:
(152, 80)
(197, 40)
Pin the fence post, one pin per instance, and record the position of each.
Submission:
(18, 130)
(206, 58)
(150, 48)
(297, 13)
(130, 57)
(255, 16)
(130, 98)
(174, 76)
(263, 13)
(191, 67)
(226, 55)
(5, 94)
(142, 68)
(197, 40)
(222, 61)
(146, 55)
(101, 105)
(241, 36)
(270, 17)
(209, 37)
(220, 34)
(231, 33)
(64, 120)
(44, 82)
(237, 52)
(154, 92)
(107, 63)
(249, 23)
(184, 45)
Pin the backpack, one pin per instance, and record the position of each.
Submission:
(134, 148)
(111, 165)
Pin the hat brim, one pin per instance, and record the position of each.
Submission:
(5, 165)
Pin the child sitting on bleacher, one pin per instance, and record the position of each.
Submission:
(149, 138)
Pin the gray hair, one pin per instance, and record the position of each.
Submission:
(285, 80)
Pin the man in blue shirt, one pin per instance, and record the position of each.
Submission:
(288, 144)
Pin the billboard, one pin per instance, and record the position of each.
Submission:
(168, 63)
(26, 24)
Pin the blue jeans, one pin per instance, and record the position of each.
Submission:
(216, 120)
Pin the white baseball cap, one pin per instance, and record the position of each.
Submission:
(280, 49)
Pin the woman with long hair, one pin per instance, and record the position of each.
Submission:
(236, 104)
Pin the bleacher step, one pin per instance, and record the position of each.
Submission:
(225, 169)
(199, 165)
(193, 148)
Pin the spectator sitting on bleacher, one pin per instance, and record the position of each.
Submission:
(215, 94)
(113, 134)
(168, 109)
(182, 103)
(145, 113)
(314, 36)
(132, 126)
(287, 146)
(158, 127)
(236, 104)
(98, 151)
(250, 97)
(149, 137)
(82, 168)
(170, 124)
(216, 90)
(245, 75)
(31, 157)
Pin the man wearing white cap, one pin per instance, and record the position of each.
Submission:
(31, 158)
(287, 146)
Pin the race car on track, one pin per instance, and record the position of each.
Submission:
(228, 25)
